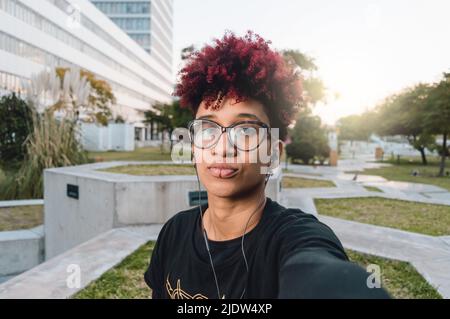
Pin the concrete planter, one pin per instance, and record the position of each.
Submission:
(108, 200)
(21, 250)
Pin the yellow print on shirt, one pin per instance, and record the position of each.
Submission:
(179, 293)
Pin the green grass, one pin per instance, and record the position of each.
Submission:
(2, 178)
(21, 217)
(126, 279)
(139, 154)
(373, 189)
(2, 175)
(147, 170)
(399, 278)
(402, 172)
(299, 182)
(292, 171)
(415, 217)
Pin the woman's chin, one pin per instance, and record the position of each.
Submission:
(223, 189)
(228, 189)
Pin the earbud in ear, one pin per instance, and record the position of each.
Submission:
(274, 158)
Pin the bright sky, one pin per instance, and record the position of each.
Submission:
(365, 49)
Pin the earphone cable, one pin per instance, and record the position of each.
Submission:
(242, 240)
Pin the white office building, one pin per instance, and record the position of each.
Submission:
(147, 22)
(44, 34)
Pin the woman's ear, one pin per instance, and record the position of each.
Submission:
(281, 148)
(276, 152)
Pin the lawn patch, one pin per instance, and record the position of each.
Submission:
(429, 219)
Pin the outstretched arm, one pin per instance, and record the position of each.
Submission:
(318, 274)
(313, 264)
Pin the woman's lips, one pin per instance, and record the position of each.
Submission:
(222, 172)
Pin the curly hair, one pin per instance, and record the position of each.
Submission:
(241, 68)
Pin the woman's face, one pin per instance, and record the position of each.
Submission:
(224, 169)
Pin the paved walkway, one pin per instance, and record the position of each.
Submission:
(50, 279)
(345, 182)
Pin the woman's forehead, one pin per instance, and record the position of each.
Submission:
(231, 111)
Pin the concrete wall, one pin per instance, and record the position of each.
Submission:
(21, 250)
(121, 137)
(118, 137)
(108, 200)
(156, 201)
(68, 221)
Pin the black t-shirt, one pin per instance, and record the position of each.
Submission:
(290, 254)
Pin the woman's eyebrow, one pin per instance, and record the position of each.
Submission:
(238, 116)
(206, 117)
(246, 115)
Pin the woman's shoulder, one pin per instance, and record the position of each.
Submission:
(181, 221)
(185, 215)
(285, 215)
(297, 227)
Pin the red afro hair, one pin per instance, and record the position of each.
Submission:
(241, 68)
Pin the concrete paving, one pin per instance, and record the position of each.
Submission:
(51, 279)
(25, 202)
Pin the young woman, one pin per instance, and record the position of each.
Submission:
(242, 244)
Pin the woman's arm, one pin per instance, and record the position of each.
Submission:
(314, 273)
(313, 264)
(154, 275)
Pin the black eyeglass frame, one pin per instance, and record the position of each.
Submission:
(227, 129)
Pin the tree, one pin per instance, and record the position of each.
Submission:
(307, 145)
(309, 139)
(300, 59)
(15, 125)
(315, 90)
(402, 114)
(100, 96)
(437, 115)
(168, 117)
(187, 51)
(313, 86)
(356, 127)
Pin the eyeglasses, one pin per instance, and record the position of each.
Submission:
(244, 135)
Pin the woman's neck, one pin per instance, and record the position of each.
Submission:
(226, 218)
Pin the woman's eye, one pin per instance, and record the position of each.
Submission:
(247, 131)
(208, 134)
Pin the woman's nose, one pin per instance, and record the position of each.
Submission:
(224, 146)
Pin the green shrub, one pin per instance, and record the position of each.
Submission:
(52, 143)
(15, 126)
